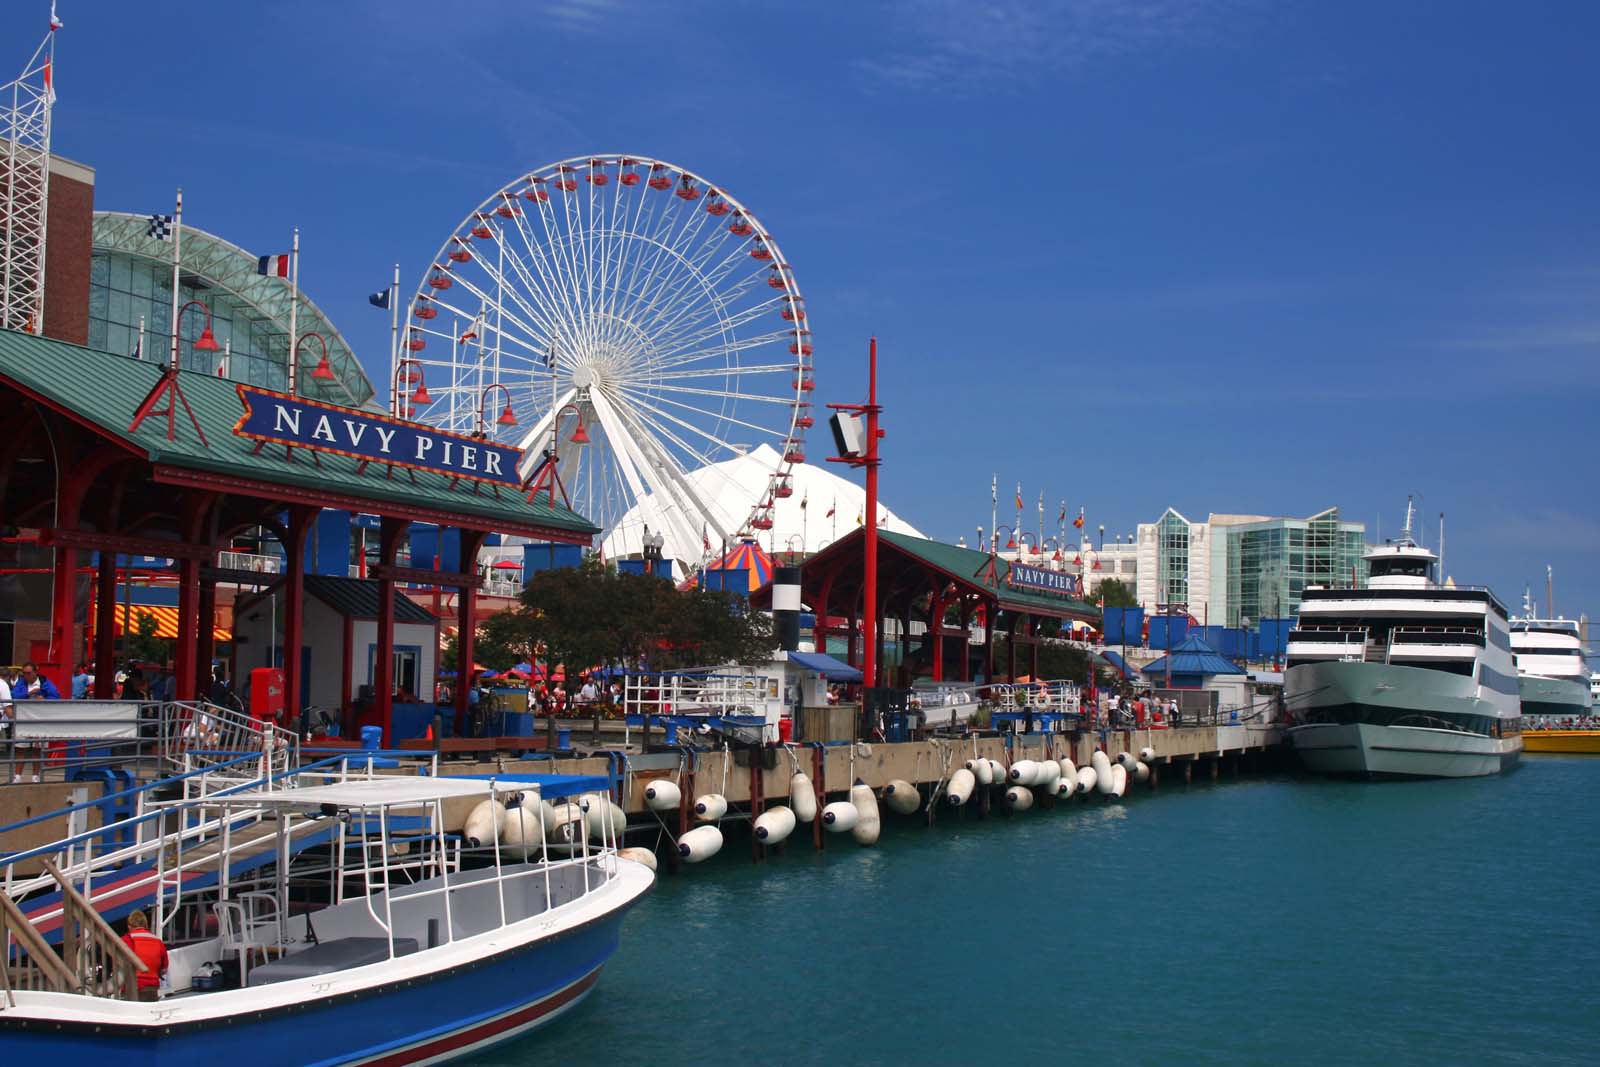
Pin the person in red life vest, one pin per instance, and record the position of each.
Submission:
(151, 952)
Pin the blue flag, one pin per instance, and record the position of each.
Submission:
(380, 299)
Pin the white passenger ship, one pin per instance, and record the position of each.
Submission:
(1405, 678)
(1551, 671)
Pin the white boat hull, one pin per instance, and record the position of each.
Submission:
(1369, 751)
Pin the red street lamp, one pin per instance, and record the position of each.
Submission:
(323, 371)
(420, 398)
(546, 477)
(1011, 537)
(580, 435)
(207, 341)
(507, 417)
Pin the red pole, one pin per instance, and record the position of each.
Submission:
(869, 595)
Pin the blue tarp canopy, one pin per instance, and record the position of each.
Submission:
(1116, 661)
(1194, 656)
(827, 666)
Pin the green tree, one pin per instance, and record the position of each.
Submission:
(143, 646)
(1117, 594)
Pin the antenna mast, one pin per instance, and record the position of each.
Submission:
(25, 108)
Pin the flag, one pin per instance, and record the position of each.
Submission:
(472, 332)
(1078, 522)
(380, 299)
(550, 357)
(160, 227)
(49, 84)
(55, 23)
(705, 538)
(832, 508)
(1063, 516)
(805, 502)
(137, 344)
(273, 266)
(1019, 498)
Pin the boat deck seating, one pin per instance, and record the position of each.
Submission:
(329, 956)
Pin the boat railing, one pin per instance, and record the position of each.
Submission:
(1436, 635)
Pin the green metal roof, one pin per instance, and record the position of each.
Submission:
(106, 389)
(357, 598)
(972, 566)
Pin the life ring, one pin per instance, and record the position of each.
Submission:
(1040, 698)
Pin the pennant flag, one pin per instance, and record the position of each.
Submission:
(49, 84)
(380, 299)
(137, 344)
(550, 357)
(472, 332)
(834, 507)
(273, 266)
(160, 227)
(1063, 516)
(55, 23)
(1078, 522)
(705, 538)
(805, 502)
(1019, 498)
(860, 521)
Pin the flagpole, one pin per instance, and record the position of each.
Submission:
(138, 349)
(994, 509)
(177, 253)
(294, 293)
(394, 342)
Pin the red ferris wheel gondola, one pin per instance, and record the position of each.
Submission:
(659, 178)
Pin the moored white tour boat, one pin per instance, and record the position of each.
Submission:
(402, 972)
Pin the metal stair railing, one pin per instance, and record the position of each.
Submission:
(196, 734)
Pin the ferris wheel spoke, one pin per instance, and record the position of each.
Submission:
(691, 274)
(539, 271)
(784, 401)
(654, 405)
(727, 293)
(732, 371)
(530, 331)
(643, 453)
(724, 325)
(767, 343)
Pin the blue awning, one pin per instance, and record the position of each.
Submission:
(1115, 660)
(827, 666)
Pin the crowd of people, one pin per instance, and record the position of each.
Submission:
(1570, 722)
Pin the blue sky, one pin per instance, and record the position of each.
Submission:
(1224, 255)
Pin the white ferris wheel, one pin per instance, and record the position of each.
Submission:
(636, 300)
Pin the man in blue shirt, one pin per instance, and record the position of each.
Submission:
(33, 686)
(80, 682)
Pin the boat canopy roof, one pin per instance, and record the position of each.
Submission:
(390, 791)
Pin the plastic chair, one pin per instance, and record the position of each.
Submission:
(235, 935)
(262, 910)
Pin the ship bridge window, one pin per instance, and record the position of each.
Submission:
(1523, 650)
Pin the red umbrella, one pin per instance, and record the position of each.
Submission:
(508, 565)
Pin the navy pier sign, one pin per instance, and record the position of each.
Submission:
(278, 418)
(1039, 578)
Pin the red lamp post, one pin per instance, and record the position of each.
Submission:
(207, 341)
(322, 372)
(507, 416)
(421, 397)
(868, 458)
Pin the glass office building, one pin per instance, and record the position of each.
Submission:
(1233, 570)
(130, 282)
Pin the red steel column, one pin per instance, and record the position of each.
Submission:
(105, 621)
(206, 639)
(466, 624)
(185, 653)
(389, 533)
(294, 612)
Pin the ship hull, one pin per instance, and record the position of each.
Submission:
(1563, 697)
(1374, 720)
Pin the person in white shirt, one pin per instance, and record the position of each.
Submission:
(5, 714)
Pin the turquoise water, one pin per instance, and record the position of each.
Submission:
(1270, 920)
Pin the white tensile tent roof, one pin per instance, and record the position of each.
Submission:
(734, 486)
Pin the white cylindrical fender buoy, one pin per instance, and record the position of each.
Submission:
(1069, 771)
(701, 843)
(709, 807)
(563, 823)
(638, 855)
(802, 797)
(1023, 772)
(1147, 753)
(603, 819)
(484, 824)
(1102, 771)
(1119, 780)
(981, 772)
(662, 795)
(1048, 774)
(997, 772)
(869, 824)
(1086, 780)
(520, 833)
(1141, 771)
(901, 796)
(774, 824)
(1125, 759)
(959, 791)
(839, 816)
(1019, 798)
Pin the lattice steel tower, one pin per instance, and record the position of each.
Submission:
(25, 189)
